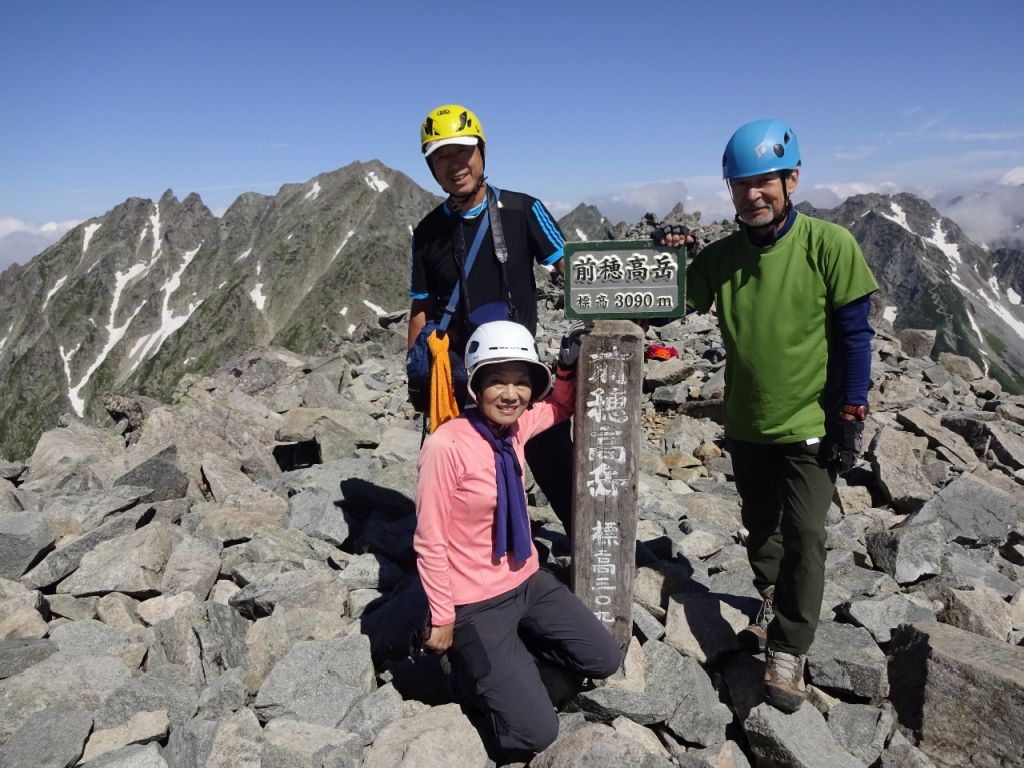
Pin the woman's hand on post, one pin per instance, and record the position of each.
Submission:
(440, 638)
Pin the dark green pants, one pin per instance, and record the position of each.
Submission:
(786, 491)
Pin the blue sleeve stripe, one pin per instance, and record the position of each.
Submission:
(418, 295)
(549, 226)
(555, 257)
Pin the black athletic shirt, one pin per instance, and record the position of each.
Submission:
(531, 235)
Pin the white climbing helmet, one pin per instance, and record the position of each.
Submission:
(503, 341)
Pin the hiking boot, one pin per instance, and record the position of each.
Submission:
(784, 685)
(755, 637)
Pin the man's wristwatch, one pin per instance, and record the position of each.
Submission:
(854, 412)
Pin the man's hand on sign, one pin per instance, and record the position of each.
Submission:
(673, 236)
(569, 351)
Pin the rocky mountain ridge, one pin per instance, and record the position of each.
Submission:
(149, 292)
(227, 579)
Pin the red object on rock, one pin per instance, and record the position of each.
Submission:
(660, 352)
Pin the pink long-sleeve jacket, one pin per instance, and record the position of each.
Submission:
(455, 502)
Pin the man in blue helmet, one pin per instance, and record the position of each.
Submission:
(792, 295)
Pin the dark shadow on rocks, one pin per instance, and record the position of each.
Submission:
(908, 675)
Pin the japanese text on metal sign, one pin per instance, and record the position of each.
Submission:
(606, 467)
(624, 279)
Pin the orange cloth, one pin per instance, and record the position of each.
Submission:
(443, 406)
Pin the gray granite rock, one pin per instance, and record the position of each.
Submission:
(798, 740)
(594, 744)
(972, 511)
(881, 615)
(50, 738)
(700, 717)
(316, 512)
(18, 654)
(861, 729)
(317, 681)
(291, 743)
(66, 558)
(135, 756)
(908, 552)
(131, 563)
(703, 625)
(24, 536)
(164, 688)
(84, 681)
(936, 671)
(159, 472)
(435, 738)
(320, 588)
(233, 742)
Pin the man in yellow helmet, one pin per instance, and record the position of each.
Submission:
(499, 284)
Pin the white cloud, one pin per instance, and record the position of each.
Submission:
(706, 194)
(11, 224)
(1013, 177)
(20, 240)
(829, 194)
(58, 228)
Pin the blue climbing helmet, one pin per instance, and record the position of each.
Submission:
(760, 147)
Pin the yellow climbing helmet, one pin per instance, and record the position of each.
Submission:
(450, 124)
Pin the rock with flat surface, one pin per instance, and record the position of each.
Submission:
(939, 674)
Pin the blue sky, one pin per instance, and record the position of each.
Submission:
(627, 105)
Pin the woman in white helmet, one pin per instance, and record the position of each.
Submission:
(493, 610)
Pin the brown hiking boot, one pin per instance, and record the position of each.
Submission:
(755, 637)
(784, 685)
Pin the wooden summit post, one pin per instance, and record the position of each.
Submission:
(606, 437)
(612, 283)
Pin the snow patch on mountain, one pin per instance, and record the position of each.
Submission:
(375, 182)
(314, 193)
(243, 254)
(90, 230)
(114, 332)
(379, 310)
(56, 287)
(343, 242)
(256, 294)
(899, 216)
(951, 250)
(146, 346)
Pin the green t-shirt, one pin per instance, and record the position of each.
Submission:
(774, 307)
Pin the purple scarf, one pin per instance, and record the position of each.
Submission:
(511, 520)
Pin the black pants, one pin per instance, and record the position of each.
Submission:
(498, 642)
(549, 455)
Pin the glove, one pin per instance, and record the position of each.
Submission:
(844, 444)
(664, 230)
(569, 351)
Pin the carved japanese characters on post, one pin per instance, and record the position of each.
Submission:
(606, 433)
